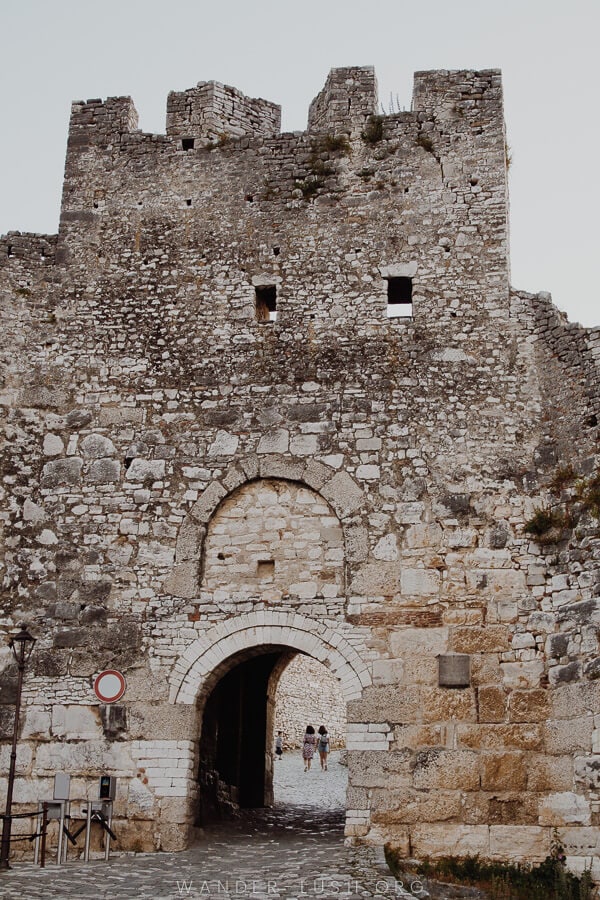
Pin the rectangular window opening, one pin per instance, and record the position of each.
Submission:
(266, 303)
(265, 569)
(399, 298)
(187, 143)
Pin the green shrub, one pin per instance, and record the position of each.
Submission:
(336, 143)
(549, 880)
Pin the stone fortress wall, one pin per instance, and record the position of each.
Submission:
(152, 404)
(308, 694)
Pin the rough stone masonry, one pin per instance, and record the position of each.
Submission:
(268, 394)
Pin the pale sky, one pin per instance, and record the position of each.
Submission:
(56, 51)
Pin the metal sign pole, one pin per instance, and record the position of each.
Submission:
(61, 825)
(44, 830)
(36, 852)
(88, 833)
(67, 816)
(107, 842)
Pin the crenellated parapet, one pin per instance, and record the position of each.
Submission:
(215, 111)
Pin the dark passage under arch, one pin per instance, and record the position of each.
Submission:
(235, 767)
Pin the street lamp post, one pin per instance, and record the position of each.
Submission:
(21, 645)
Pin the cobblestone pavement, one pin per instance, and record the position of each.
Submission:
(294, 851)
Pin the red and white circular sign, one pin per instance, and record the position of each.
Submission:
(109, 686)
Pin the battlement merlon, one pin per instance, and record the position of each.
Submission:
(447, 94)
(212, 110)
(347, 101)
(101, 121)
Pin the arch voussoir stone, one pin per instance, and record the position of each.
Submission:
(266, 628)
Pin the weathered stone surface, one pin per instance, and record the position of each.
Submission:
(204, 507)
(62, 472)
(95, 446)
(519, 842)
(448, 769)
(145, 470)
(104, 471)
(529, 706)
(492, 704)
(450, 840)
(343, 492)
(566, 808)
(488, 639)
(503, 772)
(549, 773)
(445, 704)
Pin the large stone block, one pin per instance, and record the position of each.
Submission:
(565, 808)
(500, 737)
(480, 639)
(522, 674)
(420, 641)
(379, 768)
(62, 472)
(162, 721)
(95, 446)
(529, 706)
(420, 582)
(343, 492)
(145, 470)
(450, 840)
(447, 769)
(569, 735)
(520, 842)
(376, 579)
(386, 703)
(76, 722)
(392, 806)
(204, 507)
(447, 705)
(503, 772)
(36, 724)
(183, 580)
(104, 471)
(492, 703)
(549, 773)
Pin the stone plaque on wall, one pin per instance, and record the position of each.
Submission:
(454, 670)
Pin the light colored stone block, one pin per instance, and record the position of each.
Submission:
(565, 808)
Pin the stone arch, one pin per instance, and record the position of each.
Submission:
(206, 658)
(338, 489)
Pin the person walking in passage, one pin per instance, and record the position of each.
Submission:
(279, 745)
(309, 745)
(323, 746)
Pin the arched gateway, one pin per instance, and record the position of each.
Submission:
(233, 677)
(272, 559)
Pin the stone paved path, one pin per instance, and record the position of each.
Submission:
(294, 851)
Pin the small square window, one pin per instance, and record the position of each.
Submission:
(187, 143)
(265, 569)
(399, 298)
(266, 303)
